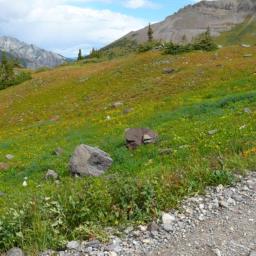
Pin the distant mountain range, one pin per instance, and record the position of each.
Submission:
(29, 55)
(192, 20)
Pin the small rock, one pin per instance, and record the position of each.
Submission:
(246, 45)
(117, 104)
(212, 132)
(51, 175)
(252, 253)
(153, 227)
(248, 55)
(128, 110)
(91, 244)
(58, 151)
(247, 110)
(168, 70)
(168, 218)
(223, 204)
(73, 245)
(4, 166)
(128, 230)
(168, 221)
(142, 228)
(216, 252)
(15, 252)
(2, 193)
(9, 156)
(112, 254)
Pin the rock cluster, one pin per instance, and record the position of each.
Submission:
(173, 225)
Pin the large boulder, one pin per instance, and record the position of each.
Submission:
(135, 137)
(89, 161)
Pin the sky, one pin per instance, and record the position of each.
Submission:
(64, 26)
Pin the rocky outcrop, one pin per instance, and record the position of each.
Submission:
(29, 55)
(89, 161)
(194, 19)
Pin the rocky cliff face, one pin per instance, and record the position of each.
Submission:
(29, 55)
(194, 19)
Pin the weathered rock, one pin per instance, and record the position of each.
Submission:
(153, 227)
(9, 156)
(73, 245)
(246, 45)
(247, 110)
(168, 70)
(252, 253)
(135, 137)
(51, 175)
(58, 151)
(117, 104)
(89, 161)
(4, 166)
(168, 221)
(248, 55)
(212, 132)
(128, 110)
(15, 252)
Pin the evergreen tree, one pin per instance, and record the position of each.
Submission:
(80, 57)
(6, 71)
(205, 42)
(150, 33)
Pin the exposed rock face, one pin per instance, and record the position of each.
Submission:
(194, 19)
(29, 55)
(89, 161)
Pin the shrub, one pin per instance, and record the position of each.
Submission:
(150, 45)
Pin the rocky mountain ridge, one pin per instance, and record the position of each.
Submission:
(192, 20)
(29, 55)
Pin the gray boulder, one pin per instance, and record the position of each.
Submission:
(135, 137)
(89, 161)
(15, 252)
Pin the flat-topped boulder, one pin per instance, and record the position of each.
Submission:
(135, 137)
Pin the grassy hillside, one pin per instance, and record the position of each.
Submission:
(69, 105)
(244, 33)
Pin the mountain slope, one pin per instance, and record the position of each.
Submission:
(243, 33)
(29, 55)
(194, 19)
(72, 104)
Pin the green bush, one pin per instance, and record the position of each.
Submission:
(150, 45)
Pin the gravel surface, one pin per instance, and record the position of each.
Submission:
(221, 223)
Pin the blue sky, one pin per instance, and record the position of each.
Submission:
(64, 26)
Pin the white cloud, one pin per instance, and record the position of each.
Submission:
(134, 4)
(58, 25)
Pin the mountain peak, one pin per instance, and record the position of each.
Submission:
(30, 55)
(193, 20)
